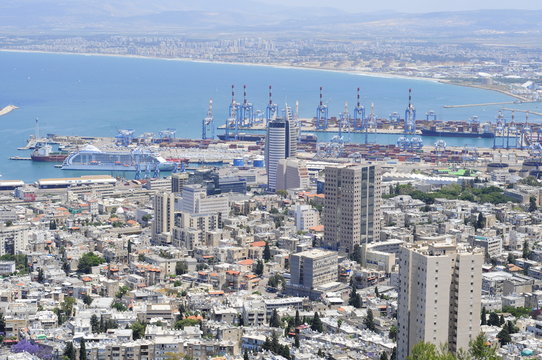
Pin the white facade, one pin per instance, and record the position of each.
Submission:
(196, 201)
(439, 296)
(13, 239)
(306, 217)
(164, 208)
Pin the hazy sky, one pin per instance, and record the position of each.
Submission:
(417, 6)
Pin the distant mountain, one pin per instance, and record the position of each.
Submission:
(194, 17)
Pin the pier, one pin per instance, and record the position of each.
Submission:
(482, 104)
(524, 111)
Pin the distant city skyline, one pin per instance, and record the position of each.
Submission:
(413, 6)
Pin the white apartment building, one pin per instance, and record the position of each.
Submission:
(164, 209)
(196, 201)
(439, 296)
(306, 217)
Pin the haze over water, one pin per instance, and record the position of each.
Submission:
(96, 95)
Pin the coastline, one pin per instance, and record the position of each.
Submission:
(276, 66)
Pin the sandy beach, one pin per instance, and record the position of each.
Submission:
(7, 109)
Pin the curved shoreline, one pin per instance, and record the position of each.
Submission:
(277, 66)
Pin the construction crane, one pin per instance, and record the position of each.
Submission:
(410, 116)
(208, 123)
(321, 114)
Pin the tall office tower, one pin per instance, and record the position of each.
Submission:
(164, 208)
(292, 174)
(280, 143)
(352, 206)
(439, 296)
(177, 182)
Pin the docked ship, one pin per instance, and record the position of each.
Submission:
(92, 158)
(45, 153)
(459, 131)
(242, 137)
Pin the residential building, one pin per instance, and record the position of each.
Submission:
(164, 208)
(439, 296)
(292, 174)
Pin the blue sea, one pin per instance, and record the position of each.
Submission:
(97, 95)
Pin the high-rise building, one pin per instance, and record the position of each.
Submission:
(280, 143)
(164, 209)
(292, 174)
(439, 296)
(178, 181)
(352, 206)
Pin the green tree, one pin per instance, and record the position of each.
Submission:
(275, 320)
(2, 323)
(297, 319)
(354, 298)
(69, 351)
(41, 276)
(393, 333)
(427, 351)
(296, 341)
(83, 350)
(393, 353)
(266, 252)
(493, 319)
(95, 324)
(138, 330)
(87, 299)
(181, 268)
(122, 291)
(87, 261)
(369, 320)
(356, 254)
(377, 293)
(480, 350)
(67, 305)
(245, 355)
(483, 316)
(317, 323)
(526, 250)
(501, 320)
(117, 305)
(480, 222)
(259, 268)
(532, 204)
(383, 356)
(504, 336)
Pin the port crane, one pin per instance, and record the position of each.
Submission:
(359, 121)
(208, 123)
(272, 109)
(410, 116)
(322, 121)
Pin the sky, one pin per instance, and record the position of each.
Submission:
(416, 6)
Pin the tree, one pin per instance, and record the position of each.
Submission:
(393, 333)
(383, 356)
(532, 204)
(481, 222)
(67, 305)
(296, 341)
(317, 323)
(119, 306)
(83, 350)
(356, 254)
(266, 252)
(339, 323)
(501, 320)
(427, 351)
(245, 355)
(69, 351)
(369, 320)
(483, 316)
(480, 350)
(297, 319)
(95, 324)
(87, 299)
(493, 319)
(181, 268)
(354, 298)
(511, 328)
(138, 330)
(41, 276)
(275, 320)
(377, 293)
(504, 336)
(393, 353)
(259, 268)
(87, 261)
(2, 324)
(526, 250)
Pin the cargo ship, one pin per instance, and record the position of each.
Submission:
(92, 158)
(459, 130)
(45, 153)
(242, 137)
